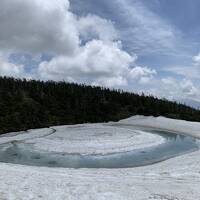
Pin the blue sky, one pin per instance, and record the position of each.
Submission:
(179, 16)
(149, 46)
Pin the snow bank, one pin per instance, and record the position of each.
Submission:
(181, 126)
(25, 135)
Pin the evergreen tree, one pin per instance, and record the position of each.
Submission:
(33, 104)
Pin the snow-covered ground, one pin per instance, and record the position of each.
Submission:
(180, 126)
(174, 179)
(95, 139)
(86, 139)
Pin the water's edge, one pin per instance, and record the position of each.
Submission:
(175, 145)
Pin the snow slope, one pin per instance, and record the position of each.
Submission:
(181, 126)
(174, 179)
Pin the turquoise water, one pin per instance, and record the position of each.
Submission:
(25, 154)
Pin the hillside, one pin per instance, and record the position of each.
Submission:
(32, 104)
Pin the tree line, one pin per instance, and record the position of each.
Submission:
(28, 104)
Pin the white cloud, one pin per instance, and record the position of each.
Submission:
(142, 74)
(98, 62)
(196, 60)
(111, 82)
(9, 69)
(92, 26)
(43, 26)
(175, 89)
(85, 49)
(190, 72)
(189, 89)
(185, 71)
(146, 32)
(37, 26)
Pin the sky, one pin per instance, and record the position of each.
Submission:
(150, 46)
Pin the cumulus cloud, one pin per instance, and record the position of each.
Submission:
(84, 49)
(94, 27)
(142, 74)
(189, 89)
(43, 26)
(175, 89)
(98, 62)
(142, 29)
(37, 26)
(10, 69)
